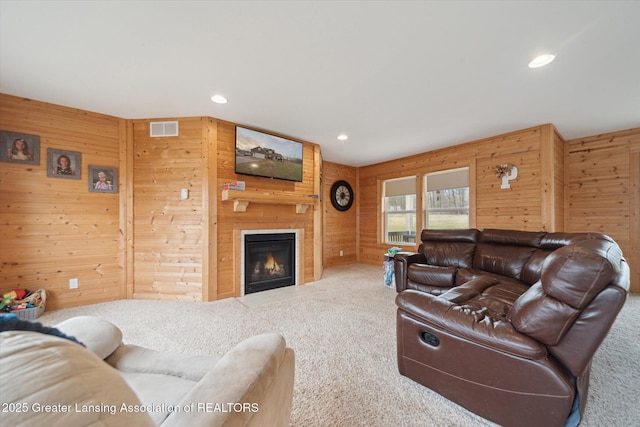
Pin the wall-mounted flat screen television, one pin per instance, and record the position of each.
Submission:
(261, 154)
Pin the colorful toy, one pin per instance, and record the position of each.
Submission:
(7, 298)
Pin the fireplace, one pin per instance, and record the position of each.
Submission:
(269, 261)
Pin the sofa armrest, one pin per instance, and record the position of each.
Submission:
(251, 385)
(401, 267)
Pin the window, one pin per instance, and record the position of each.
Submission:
(447, 199)
(399, 206)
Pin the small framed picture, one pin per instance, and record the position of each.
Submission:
(19, 148)
(63, 164)
(103, 179)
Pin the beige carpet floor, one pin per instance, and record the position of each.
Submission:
(342, 329)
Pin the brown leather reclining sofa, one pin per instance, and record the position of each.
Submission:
(506, 323)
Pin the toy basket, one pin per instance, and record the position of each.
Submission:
(37, 298)
(28, 313)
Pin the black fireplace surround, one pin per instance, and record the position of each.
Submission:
(269, 261)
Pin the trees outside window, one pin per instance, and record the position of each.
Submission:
(447, 199)
(443, 204)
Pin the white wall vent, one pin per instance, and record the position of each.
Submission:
(164, 129)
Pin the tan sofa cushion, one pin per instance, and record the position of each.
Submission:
(244, 378)
(133, 358)
(99, 336)
(161, 393)
(59, 382)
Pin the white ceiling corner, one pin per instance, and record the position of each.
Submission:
(399, 77)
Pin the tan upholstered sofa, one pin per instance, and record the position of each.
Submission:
(506, 323)
(48, 380)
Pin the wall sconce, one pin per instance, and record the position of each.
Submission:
(506, 172)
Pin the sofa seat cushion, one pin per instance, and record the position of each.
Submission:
(465, 275)
(133, 358)
(159, 393)
(160, 379)
(478, 325)
(81, 389)
(487, 295)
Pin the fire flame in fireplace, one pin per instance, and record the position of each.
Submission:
(271, 265)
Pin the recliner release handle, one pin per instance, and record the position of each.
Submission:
(429, 338)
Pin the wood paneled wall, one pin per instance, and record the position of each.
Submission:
(169, 234)
(587, 184)
(259, 215)
(371, 250)
(188, 249)
(530, 204)
(53, 229)
(143, 242)
(602, 175)
(559, 189)
(521, 206)
(339, 228)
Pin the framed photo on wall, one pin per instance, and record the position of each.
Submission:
(19, 148)
(103, 179)
(63, 164)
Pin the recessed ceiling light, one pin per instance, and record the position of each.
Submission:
(541, 61)
(343, 137)
(219, 99)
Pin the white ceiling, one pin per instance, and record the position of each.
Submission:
(398, 77)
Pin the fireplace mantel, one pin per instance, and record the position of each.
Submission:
(241, 199)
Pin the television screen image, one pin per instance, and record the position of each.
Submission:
(270, 156)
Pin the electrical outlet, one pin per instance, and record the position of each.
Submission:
(341, 253)
(73, 283)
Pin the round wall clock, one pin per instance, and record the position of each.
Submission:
(341, 195)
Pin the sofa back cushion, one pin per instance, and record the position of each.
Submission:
(571, 278)
(449, 248)
(506, 252)
(576, 274)
(98, 335)
(532, 268)
(548, 243)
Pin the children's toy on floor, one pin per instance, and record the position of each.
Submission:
(23, 303)
(389, 274)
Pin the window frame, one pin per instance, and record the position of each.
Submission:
(421, 211)
(425, 207)
(384, 223)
